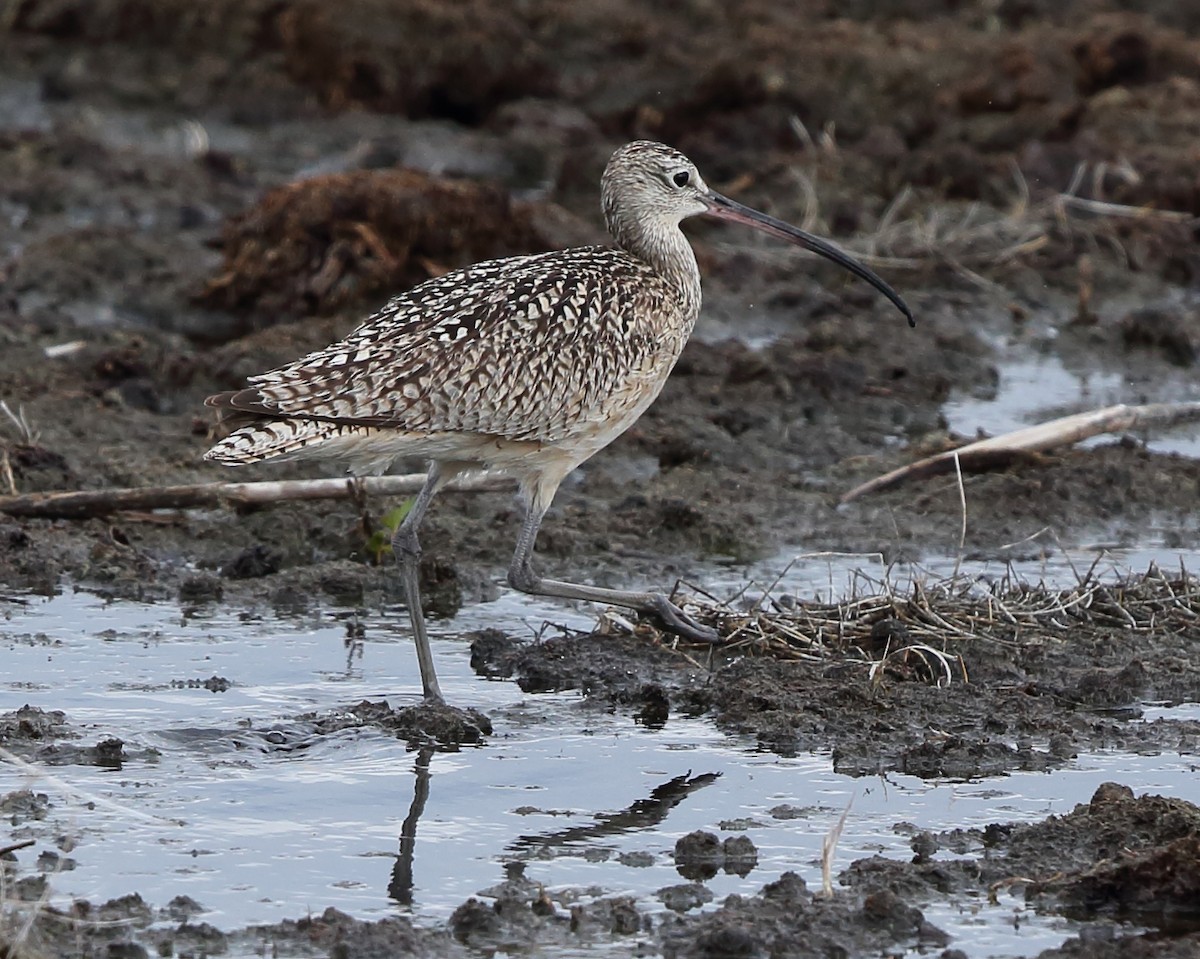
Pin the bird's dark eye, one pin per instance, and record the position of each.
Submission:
(681, 178)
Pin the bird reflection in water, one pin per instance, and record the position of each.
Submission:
(640, 815)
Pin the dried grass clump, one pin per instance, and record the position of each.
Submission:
(975, 240)
(911, 632)
(983, 238)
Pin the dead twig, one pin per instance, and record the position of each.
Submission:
(84, 504)
(26, 433)
(13, 847)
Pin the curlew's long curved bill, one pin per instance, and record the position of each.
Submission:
(724, 208)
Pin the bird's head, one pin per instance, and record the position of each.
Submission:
(648, 185)
(648, 180)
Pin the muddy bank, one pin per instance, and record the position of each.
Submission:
(929, 682)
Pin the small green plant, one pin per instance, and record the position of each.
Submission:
(379, 542)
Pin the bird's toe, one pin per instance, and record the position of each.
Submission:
(683, 625)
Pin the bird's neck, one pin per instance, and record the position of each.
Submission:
(664, 247)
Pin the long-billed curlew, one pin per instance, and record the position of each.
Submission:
(526, 365)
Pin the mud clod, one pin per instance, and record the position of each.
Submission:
(786, 920)
(741, 855)
(340, 935)
(1173, 332)
(687, 896)
(31, 724)
(334, 241)
(492, 653)
(654, 707)
(24, 804)
(1095, 945)
(598, 665)
(475, 919)
(253, 562)
(110, 753)
(698, 855)
(127, 950)
(1161, 886)
(199, 589)
(428, 724)
(183, 908)
(441, 587)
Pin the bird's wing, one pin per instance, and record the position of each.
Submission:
(526, 348)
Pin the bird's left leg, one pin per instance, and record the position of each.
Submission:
(407, 549)
(522, 576)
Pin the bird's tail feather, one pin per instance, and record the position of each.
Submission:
(269, 439)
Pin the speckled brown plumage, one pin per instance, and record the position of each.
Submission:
(553, 348)
(529, 348)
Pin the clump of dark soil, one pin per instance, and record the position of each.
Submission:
(334, 241)
(1117, 857)
(1120, 856)
(786, 919)
(700, 854)
(425, 725)
(32, 725)
(37, 735)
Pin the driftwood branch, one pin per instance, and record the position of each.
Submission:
(1065, 431)
(84, 504)
(974, 457)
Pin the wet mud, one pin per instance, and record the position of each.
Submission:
(193, 195)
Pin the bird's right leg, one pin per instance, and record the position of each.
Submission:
(407, 549)
(521, 576)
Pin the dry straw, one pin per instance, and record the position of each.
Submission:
(916, 630)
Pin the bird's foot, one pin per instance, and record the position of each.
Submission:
(681, 624)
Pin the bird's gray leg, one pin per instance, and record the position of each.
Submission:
(521, 576)
(407, 549)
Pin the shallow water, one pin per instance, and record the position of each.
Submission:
(1036, 387)
(824, 576)
(258, 831)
